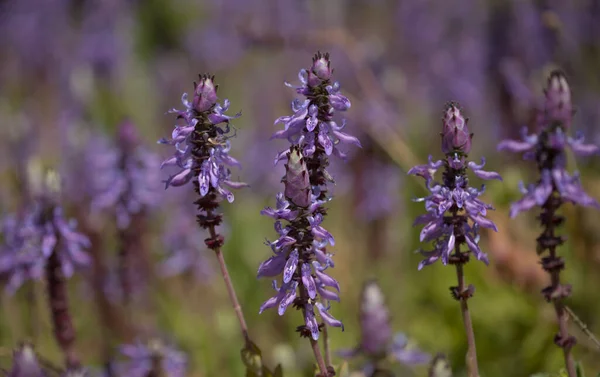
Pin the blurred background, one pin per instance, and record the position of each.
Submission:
(72, 71)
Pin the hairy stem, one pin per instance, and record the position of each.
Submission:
(320, 362)
(583, 327)
(553, 264)
(230, 289)
(326, 346)
(471, 359)
(59, 309)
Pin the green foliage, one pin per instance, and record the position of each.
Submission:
(440, 367)
(252, 359)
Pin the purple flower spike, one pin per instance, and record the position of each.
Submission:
(453, 204)
(300, 254)
(377, 340)
(554, 187)
(202, 145)
(312, 124)
(153, 358)
(548, 149)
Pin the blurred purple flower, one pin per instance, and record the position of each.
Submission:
(20, 259)
(35, 32)
(25, 363)
(125, 179)
(182, 248)
(153, 357)
(547, 147)
(443, 224)
(377, 339)
(30, 242)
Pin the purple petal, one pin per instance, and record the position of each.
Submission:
(328, 318)
(272, 266)
(311, 321)
(515, 146)
(326, 279)
(290, 266)
(325, 141)
(289, 297)
(328, 295)
(308, 281)
(484, 222)
(347, 139)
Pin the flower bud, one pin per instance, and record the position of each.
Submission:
(558, 107)
(455, 135)
(320, 70)
(297, 184)
(205, 94)
(128, 135)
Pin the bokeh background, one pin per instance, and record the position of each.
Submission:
(71, 71)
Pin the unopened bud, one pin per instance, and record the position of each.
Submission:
(455, 135)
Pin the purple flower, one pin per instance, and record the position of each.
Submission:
(182, 248)
(28, 244)
(548, 148)
(20, 259)
(312, 124)
(377, 339)
(454, 211)
(299, 252)
(126, 177)
(201, 144)
(25, 363)
(153, 357)
(554, 187)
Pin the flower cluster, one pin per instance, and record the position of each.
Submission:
(377, 340)
(312, 125)
(154, 358)
(453, 202)
(125, 176)
(181, 249)
(300, 251)
(548, 148)
(201, 144)
(554, 187)
(30, 241)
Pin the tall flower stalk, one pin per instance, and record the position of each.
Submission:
(202, 157)
(554, 187)
(378, 343)
(301, 255)
(455, 214)
(59, 249)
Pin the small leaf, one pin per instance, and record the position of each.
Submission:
(579, 370)
(278, 371)
(440, 367)
(252, 359)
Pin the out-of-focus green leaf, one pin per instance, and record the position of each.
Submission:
(278, 371)
(343, 370)
(252, 359)
(579, 370)
(440, 367)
